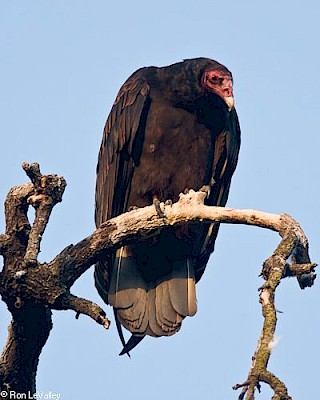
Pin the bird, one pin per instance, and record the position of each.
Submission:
(170, 129)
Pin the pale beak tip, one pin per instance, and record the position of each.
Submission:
(230, 102)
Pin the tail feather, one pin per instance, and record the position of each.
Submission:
(166, 315)
(173, 298)
(182, 288)
(156, 308)
(135, 317)
(128, 293)
(120, 333)
(119, 327)
(154, 329)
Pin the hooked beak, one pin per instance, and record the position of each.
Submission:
(229, 101)
(226, 92)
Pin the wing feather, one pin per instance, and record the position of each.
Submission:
(118, 155)
(226, 151)
(125, 121)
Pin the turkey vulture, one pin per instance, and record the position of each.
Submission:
(170, 129)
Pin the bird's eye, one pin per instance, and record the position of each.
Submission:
(216, 79)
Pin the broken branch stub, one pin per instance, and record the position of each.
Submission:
(48, 191)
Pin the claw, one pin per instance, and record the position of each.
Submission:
(156, 203)
(206, 189)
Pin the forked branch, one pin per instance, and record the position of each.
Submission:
(27, 285)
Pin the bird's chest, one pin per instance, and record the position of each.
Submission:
(177, 153)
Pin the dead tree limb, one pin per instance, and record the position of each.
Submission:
(31, 289)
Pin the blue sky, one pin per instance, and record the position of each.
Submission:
(62, 63)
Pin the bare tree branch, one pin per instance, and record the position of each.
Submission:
(31, 289)
(83, 306)
(48, 191)
(31, 321)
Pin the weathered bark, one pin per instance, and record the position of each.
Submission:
(294, 244)
(31, 323)
(31, 289)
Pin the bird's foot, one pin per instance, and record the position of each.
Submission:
(206, 189)
(156, 203)
(168, 202)
(186, 190)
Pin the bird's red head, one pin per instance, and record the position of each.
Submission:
(219, 81)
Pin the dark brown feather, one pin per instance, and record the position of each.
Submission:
(165, 133)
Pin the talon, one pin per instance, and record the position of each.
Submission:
(168, 202)
(206, 189)
(156, 203)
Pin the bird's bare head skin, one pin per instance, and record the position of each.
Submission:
(219, 81)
